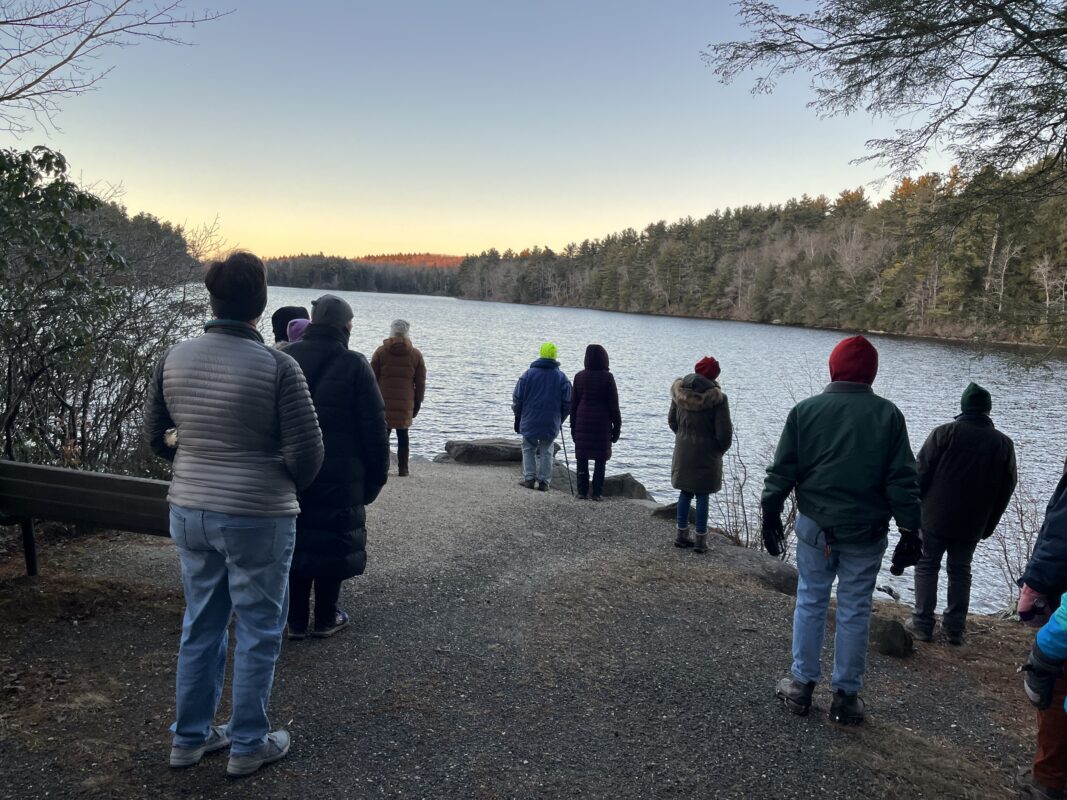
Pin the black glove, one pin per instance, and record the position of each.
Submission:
(517, 421)
(1040, 674)
(908, 551)
(615, 435)
(415, 410)
(773, 533)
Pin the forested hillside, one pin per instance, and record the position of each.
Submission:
(405, 275)
(937, 257)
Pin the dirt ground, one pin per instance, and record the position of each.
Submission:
(506, 643)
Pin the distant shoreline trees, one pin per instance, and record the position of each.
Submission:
(935, 258)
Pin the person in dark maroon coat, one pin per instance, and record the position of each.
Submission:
(595, 419)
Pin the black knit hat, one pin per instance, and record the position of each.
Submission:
(238, 287)
(331, 310)
(976, 400)
(281, 318)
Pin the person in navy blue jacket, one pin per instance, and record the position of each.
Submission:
(541, 402)
(1044, 584)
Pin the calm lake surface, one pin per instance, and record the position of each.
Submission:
(476, 351)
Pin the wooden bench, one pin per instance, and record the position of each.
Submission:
(31, 492)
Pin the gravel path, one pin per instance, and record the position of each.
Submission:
(506, 643)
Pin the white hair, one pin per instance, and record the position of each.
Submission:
(400, 327)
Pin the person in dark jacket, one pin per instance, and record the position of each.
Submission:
(966, 477)
(279, 323)
(401, 374)
(1044, 582)
(541, 402)
(236, 419)
(331, 531)
(700, 418)
(847, 455)
(595, 420)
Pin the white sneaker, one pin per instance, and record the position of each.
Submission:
(189, 756)
(276, 748)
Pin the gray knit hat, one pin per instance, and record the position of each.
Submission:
(331, 310)
(400, 327)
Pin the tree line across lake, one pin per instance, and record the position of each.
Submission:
(938, 256)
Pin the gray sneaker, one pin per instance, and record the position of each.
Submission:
(190, 756)
(276, 747)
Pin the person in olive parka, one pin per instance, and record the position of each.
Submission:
(331, 532)
(595, 419)
(700, 418)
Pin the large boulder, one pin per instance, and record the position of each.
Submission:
(487, 451)
(623, 485)
(766, 570)
(670, 511)
(890, 638)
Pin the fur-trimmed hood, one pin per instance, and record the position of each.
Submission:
(696, 393)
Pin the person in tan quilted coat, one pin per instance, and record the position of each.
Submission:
(401, 375)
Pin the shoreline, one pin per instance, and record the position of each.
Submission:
(1059, 350)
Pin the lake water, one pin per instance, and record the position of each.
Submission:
(476, 351)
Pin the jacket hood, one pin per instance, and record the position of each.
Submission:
(545, 363)
(696, 393)
(318, 331)
(398, 346)
(596, 357)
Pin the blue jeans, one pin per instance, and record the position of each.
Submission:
(684, 499)
(856, 569)
(230, 564)
(537, 457)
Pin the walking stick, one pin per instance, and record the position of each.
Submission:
(566, 459)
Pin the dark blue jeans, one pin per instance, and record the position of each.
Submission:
(684, 499)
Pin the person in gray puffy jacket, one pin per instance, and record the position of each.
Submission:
(247, 439)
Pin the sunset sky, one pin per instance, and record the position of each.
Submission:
(418, 125)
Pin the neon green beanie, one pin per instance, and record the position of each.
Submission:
(548, 350)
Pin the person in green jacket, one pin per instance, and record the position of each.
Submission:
(846, 454)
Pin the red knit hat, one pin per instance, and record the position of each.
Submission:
(708, 367)
(854, 359)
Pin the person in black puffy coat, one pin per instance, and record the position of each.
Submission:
(595, 419)
(331, 532)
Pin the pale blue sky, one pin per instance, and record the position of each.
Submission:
(359, 127)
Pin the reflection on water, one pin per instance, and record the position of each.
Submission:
(475, 352)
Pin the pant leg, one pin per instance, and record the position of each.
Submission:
(299, 602)
(402, 440)
(599, 466)
(529, 459)
(857, 574)
(202, 652)
(258, 552)
(545, 459)
(583, 476)
(815, 579)
(926, 583)
(1050, 762)
(958, 567)
(685, 499)
(326, 595)
(702, 512)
